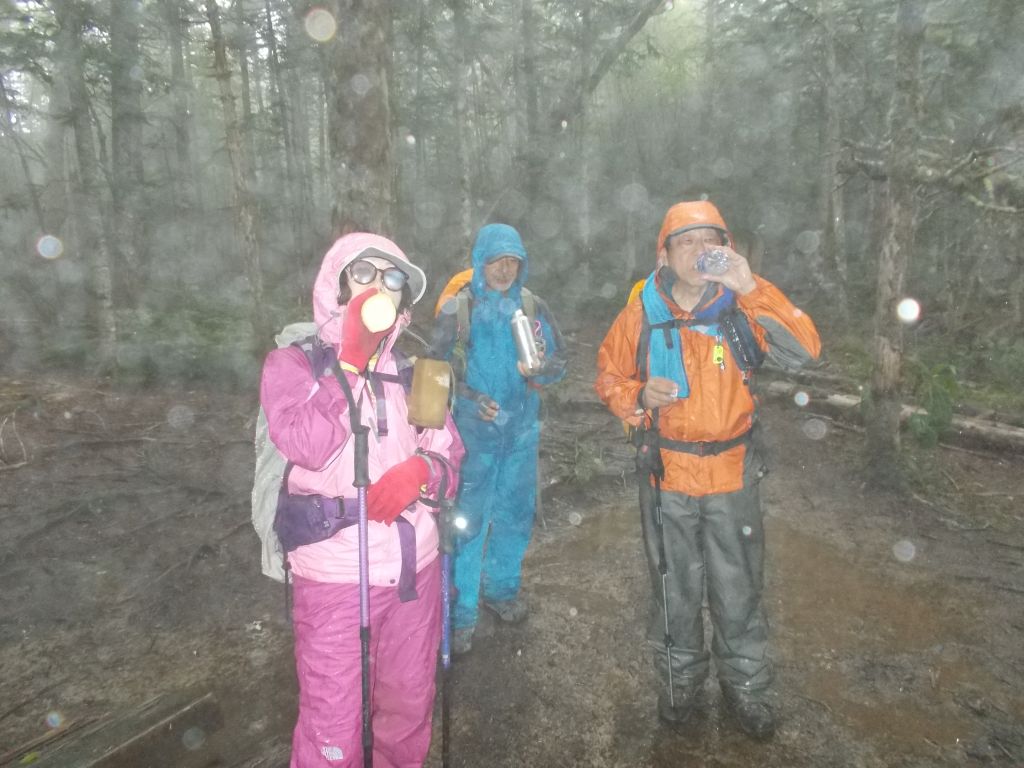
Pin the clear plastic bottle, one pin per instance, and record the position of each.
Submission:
(713, 262)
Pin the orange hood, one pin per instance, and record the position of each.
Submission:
(693, 214)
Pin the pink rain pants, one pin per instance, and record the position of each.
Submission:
(404, 640)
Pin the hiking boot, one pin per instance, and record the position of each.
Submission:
(510, 611)
(462, 641)
(681, 711)
(753, 715)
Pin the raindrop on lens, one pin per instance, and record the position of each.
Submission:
(360, 84)
(575, 518)
(801, 399)
(320, 25)
(747, 530)
(904, 550)
(633, 197)
(908, 310)
(461, 523)
(722, 168)
(608, 290)
(193, 738)
(815, 429)
(135, 73)
(54, 719)
(808, 241)
(450, 307)
(50, 247)
(429, 214)
(507, 307)
(180, 417)
(573, 612)
(501, 419)
(410, 140)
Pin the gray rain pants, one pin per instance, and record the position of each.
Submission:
(718, 539)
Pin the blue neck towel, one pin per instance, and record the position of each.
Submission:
(665, 348)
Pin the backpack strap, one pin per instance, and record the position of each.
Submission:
(529, 303)
(463, 315)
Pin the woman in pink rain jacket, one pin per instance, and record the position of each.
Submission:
(308, 417)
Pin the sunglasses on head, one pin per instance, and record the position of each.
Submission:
(364, 273)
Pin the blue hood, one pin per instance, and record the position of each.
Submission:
(493, 241)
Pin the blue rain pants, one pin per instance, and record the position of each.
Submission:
(497, 498)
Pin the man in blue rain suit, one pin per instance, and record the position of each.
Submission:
(496, 408)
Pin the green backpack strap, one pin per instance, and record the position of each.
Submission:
(464, 310)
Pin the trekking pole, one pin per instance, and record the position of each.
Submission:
(663, 570)
(446, 620)
(446, 547)
(362, 479)
(657, 470)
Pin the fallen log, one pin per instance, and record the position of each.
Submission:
(165, 732)
(964, 430)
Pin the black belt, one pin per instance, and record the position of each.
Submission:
(703, 448)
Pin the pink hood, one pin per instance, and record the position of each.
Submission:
(326, 311)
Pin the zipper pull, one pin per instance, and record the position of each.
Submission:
(718, 353)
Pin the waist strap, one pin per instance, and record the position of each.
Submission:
(699, 447)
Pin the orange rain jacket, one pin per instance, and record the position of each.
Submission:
(720, 405)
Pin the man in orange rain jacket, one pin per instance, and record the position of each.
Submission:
(677, 365)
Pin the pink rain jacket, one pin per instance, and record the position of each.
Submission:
(308, 418)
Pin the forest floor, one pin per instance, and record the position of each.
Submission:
(129, 569)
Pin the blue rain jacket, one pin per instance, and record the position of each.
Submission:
(491, 352)
(498, 487)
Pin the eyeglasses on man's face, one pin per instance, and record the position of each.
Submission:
(365, 272)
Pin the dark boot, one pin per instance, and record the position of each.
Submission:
(511, 611)
(681, 710)
(752, 713)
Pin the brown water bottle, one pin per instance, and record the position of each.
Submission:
(431, 392)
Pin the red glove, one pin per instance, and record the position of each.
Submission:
(396, 489)
(358, 343)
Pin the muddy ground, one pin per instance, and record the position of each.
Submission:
(129, 568)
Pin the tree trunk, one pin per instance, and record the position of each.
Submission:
(458, 80)
(126, 171)
(184, 179)
(245, 211)
(281, 119)
(883, 413)
(360, 117)
(90, 208)
(533, 149)
(832, 208)
(10, 129)
(707, 112)
(242, 51)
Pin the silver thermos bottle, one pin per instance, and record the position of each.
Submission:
(526, 343)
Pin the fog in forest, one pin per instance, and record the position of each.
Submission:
(174, 170)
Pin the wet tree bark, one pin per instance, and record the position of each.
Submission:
(883, 406)
(245, 210)
(360, 118)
